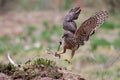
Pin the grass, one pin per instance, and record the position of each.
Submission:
(45, 23)
(53, 46)
(102, 74)
(106, 73)
(97, 59)
(10, 44)
(16, 48)
(110, 25)
(41, 61)
(43, 4)
(116, 43)
(99, 42)
(30, 29)
(45, 35)
(57, 29)
(4, 39)
(3, 48)
(67, 4)
(3, 44)
(100, 58)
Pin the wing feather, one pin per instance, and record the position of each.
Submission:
(89, 26)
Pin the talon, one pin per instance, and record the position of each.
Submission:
(57, 55)
(68, 61)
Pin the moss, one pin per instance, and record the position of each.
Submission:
(8, 69)
(41, 61)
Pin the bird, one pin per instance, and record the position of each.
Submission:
(74, 38)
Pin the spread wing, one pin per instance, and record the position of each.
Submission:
(89, 26)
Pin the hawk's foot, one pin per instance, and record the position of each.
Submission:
(68, 60)
(57, 55)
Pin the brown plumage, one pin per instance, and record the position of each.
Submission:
(73, 40)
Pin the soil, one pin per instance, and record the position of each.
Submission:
(38, 69)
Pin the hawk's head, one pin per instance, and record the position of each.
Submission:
(73, 14)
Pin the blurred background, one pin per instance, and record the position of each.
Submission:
(30, 27)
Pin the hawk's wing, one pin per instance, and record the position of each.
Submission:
(89, 26)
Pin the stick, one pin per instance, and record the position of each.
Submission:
(11, 61)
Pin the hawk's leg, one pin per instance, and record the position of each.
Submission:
(58, 54)
(60, 43)
(72, 55)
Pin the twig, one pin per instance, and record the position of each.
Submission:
(11, 61)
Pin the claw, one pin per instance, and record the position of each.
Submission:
(57, 55)
(69, 61)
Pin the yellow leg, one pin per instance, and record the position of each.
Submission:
(59, 45)
(58, 54)
(72, 54)
(68, 60)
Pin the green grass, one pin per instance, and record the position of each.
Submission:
(119, 34)
(4, 39)
(102, 74)
(30, 29)
(99, 42)
(45, 35)
(86, 60)
(97, 59)
(67, 4)
(117, 70)
(106, 73)
(10, 44)
(3, 44)
(16, 48)
(116, 43)
(100, 58)
(45, 62)
(6, 46)
(45, 23)
(3, 48)
(110, 25)
(57, 29)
